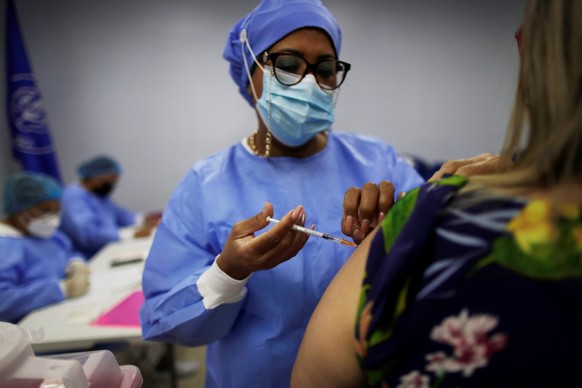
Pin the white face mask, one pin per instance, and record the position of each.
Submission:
(295, 114)
(44, 226)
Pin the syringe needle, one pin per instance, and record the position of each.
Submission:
(316, 233)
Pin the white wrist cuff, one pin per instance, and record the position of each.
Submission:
(63, 288)
(217, 288)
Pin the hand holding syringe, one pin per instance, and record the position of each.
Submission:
(316, 233)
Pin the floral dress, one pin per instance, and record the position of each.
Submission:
(473, 290)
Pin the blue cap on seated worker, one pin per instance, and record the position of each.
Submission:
(24, 190)
(98, 166)
(35, 255)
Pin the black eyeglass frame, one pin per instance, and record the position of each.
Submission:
(308, 66)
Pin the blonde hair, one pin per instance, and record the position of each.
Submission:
(545, 130)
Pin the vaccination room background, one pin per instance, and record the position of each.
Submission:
(144, 81)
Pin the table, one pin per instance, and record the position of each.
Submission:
(66, 326)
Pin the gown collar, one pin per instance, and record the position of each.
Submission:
(9, 231)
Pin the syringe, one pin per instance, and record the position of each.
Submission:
(317, 234)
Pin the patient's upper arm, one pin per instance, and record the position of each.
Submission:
(327, 354)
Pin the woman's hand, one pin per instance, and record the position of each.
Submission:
(244, 253)
(77, 266)
(482, 164)
(77, 280)
(364, 208)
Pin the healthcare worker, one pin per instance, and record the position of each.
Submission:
(214, 275)
(37, 264)
(90, 217)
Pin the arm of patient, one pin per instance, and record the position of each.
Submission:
(327, 356)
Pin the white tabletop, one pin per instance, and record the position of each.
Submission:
(67, 325)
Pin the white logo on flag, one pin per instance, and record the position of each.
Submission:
(27, 112)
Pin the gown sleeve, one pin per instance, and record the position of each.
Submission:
(84, 224)
(18, 297)
(183, 249)
(67, 246)
(123, 216)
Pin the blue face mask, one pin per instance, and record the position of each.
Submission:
(295, 114)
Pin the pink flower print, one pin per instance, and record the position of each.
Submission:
(413, 380)
(468, 336)
(437, 362)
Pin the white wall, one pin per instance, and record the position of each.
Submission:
(144, 80)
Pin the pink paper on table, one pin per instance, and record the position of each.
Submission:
(126, 313)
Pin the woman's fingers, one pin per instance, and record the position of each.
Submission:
(490, 165)
(351, 205)
(364, 208)
(478, 165)
(248, 227)
(386, 200)
(368, 205)
(244, 253)
(281, 236)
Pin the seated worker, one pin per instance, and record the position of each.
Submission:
(91, 218)
(37, 264)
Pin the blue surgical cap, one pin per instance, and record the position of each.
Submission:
(98, 166)
(268, 23)
(23, 190)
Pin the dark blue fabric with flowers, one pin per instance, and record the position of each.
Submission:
(473, 290)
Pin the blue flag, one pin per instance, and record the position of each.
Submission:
(31, 141)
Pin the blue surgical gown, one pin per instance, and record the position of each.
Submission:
(91, 221)
(30, 271)
(254, 342)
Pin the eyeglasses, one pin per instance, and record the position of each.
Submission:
(290, 69)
